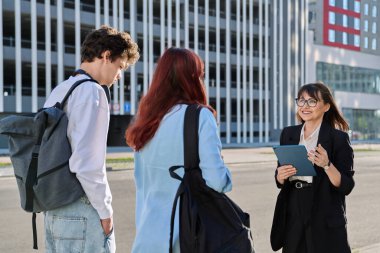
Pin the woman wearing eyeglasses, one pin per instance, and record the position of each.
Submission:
(310, 213)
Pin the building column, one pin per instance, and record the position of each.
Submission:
(228, 72)
(177, 24)
(238, 69)
(261, 118)
(281, 65)
(77, 33)
(251, 99)
(186, 27)
(120, 19)
(33, 30)
(162, 26)
(97, 14)
(244, 35)
(133, 84)
(207, 48)
(60, 42)
(47, 49)
(274, 68)
(151, 53)
(266, 71)
(196, 26)
(145, 46)
(18, 56)
(218, 63)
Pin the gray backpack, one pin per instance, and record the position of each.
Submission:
(40, 150)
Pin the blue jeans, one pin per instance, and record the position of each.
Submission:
(76, 228)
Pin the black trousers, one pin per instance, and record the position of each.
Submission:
(298, 231)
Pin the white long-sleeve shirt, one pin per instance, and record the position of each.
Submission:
(88, 114)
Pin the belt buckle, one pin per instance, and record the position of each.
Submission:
(298, 185)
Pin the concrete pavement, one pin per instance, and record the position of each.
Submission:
(235, 157)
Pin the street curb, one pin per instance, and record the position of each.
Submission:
(374, 248)
(6, 172)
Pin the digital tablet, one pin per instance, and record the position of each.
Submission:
(295, 155)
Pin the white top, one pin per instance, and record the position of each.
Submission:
(310, 143)
(88, 114)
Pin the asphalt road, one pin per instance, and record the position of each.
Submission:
(253, 190)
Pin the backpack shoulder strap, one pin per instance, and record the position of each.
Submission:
(76, 84)
(190, 136)
(190, 139)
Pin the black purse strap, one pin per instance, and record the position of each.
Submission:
(191, 156)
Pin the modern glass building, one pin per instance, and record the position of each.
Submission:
(254, 54)
(343, 52)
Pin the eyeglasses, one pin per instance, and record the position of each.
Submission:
(311, 102)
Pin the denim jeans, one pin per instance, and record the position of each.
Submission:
(76, 228)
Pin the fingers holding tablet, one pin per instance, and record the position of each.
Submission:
(284, 172)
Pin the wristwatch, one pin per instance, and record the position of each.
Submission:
(326, 167)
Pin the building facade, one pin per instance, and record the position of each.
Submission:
(343, 51)
(253, 50)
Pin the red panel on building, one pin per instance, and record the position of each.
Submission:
(327, 26)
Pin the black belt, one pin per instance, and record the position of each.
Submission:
(301, 184)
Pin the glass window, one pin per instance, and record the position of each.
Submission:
(365, 9)
(345, 20)
(332, 2)
(357, 40)
(374, 27)
(346, 78)
(374, 11)
(345, 4)
(374, 44)
(366, 25)
(344, 38)
(364, 124)
(331, 35)
(357, 24)
(357, 6)
(332, 18)
(365, 42)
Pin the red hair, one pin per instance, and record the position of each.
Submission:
(178, 78)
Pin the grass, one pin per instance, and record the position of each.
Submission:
(366, 150)
(5, 164)
(120, 163)
(120, 160)
(109, 161)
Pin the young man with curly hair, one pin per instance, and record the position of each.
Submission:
(86, 225)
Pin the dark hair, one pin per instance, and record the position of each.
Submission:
(333, 116)
(178, 78)
(120, 44)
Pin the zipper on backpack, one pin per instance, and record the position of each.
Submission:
(53, 170)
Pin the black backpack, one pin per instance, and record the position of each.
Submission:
(209, 222)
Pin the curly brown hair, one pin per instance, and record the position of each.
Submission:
(120, 45)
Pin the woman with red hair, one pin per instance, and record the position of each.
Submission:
(156, 135)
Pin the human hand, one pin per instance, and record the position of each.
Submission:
(318, 156)
(107, 225)
(284, 172)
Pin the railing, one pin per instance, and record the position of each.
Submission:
(11, 42)
(10, 90)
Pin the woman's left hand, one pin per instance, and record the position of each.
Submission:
(318, 156)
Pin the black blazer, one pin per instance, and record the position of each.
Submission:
(328, 217)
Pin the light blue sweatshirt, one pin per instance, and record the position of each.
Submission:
(155, 189)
